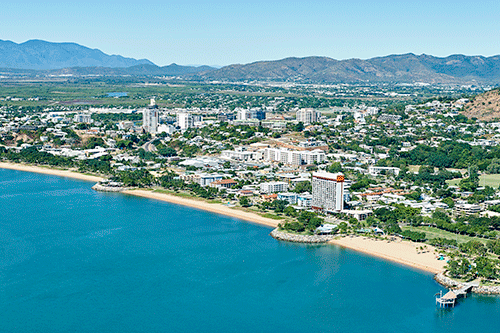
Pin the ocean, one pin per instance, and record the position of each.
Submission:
(76, 260)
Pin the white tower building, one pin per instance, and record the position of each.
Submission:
(328, 191)
(308, 116)
(150, 118)
(185, 120)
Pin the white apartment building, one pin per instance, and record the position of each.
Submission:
(83, 118)
(273, 187)
(376, 170)
(185, 120)
(308, 116)
(328, 191)
(242, 114)
(290, 197)
(304, 200)
(293, 157)
(150, 120)
(240, 154)
(203, 179)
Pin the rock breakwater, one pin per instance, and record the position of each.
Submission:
(106, 188)
(309, 239)
(453, 284)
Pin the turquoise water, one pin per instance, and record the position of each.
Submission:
(74, 260)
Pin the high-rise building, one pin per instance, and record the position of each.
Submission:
(185, 120)
(308, 116)
(254, 113)
(150, 118)
(242, 114)
(257, 114)
(328, 191)
(225, 116)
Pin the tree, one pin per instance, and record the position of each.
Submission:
(469, 184)
(244, 202)
(302, 187)
(94, 142)
(494, 166)
(335, 167)
(280, 205)
(449, 201)
(166, 151)
(290, 211)
(343, 227)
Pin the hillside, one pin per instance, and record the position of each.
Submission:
(393, 68)
(137, 70)
(485, 106)
(42, 55)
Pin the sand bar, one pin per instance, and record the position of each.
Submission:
(48, 171)
(210, 207)
(403, 252)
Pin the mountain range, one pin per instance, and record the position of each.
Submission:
(41, 55)
(394, 68)
(36, 57)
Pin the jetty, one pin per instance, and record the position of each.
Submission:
(450, 298)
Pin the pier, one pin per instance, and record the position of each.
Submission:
(450, 298)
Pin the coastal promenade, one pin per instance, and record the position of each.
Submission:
(402, 252)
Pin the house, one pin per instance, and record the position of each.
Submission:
(224, 183)
(269, 197)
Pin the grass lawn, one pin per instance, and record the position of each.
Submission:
(490, 180)
(271, 216)
(179, 194)
(484, 180)
(413, 168)
(432, 233)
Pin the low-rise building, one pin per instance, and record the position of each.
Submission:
(273, 187)
(290, 197)
(304, 200)
(224, 183)
(467, 209)
(377, 170)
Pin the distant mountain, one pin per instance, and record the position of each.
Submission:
(42, 55)
(36, 57)
(393, 68)
(144, 70)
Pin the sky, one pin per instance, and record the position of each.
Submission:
(223, 32)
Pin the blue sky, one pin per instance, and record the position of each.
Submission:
(222, 32)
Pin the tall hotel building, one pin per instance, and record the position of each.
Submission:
(328, 191)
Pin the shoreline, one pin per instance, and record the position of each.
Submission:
(210, 207)
(49, 171)
(400, 252)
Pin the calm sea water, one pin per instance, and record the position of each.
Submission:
(74, 260)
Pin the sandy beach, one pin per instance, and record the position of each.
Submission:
(210, 207)
(49, 171)
(403, 252)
